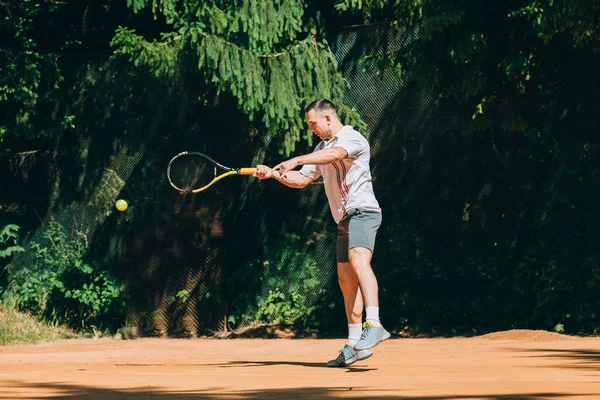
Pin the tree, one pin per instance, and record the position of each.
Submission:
(271, 56)
(520, 77)
(44, 42)
(484, 56)
(29, 72)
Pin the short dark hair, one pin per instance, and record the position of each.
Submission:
(321, 105)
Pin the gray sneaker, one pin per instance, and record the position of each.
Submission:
(348, 356)
(371, 336)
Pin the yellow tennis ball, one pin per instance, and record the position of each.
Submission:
(121, 205)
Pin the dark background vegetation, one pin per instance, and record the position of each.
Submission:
(482, 120)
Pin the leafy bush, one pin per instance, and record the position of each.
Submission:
(287, 286)
(66, 286)
(8, 247)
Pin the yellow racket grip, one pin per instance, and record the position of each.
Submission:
(247, 171)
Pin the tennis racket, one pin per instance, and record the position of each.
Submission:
(193, 172)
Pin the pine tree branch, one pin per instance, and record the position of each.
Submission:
(241, 49)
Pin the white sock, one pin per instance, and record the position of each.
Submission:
(354, 331)
(373, 315)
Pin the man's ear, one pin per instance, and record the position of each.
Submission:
(328, 118)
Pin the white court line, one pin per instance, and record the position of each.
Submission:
(23, 373)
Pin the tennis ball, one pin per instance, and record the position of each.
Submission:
(121, 205)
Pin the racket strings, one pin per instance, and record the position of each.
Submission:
(191, 172)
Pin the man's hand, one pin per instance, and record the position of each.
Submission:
(263, 172)
(286, 166)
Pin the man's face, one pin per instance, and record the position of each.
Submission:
(319, 124)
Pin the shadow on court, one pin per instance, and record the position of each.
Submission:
(318, 393)
(576, 358)
(353, 368)
(293, 363)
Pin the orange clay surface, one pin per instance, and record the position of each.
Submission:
(506, 365)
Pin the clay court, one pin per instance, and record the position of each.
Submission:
(506, 365)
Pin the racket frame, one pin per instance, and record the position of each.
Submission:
(228, 171)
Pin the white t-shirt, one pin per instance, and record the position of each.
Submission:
(348, 181)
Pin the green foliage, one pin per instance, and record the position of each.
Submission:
(29, 67)
(550, 18)
(287, 284)
(8, 239)
(63, 285)
(516, 245)
(297, 302)
(490, 227)
(269, 55)
(277, 308)
(483, 58)
(183, 295)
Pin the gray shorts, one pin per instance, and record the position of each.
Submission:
(358, 228)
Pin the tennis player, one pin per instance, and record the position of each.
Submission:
(342, 160)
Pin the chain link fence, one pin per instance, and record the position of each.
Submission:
(454, 206)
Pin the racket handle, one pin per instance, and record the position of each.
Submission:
(247, 171)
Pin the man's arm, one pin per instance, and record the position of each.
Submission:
(293, 179)
(319, 157)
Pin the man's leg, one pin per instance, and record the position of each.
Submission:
(353, 305)
(374, 333)
(362, 226)
(353, 299)
(360, 263)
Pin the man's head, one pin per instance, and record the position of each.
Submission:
(322, 119)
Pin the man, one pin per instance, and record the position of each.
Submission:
(342, 159)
